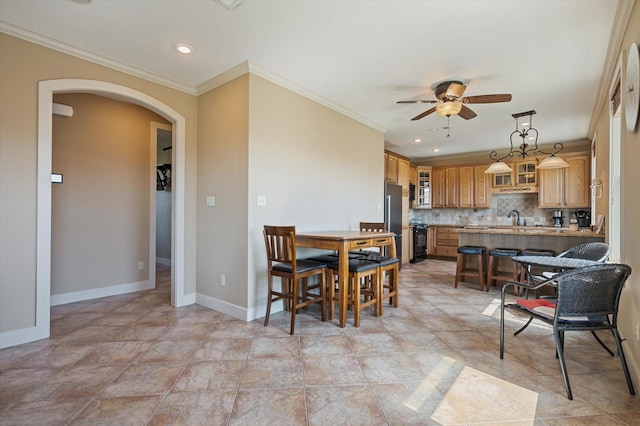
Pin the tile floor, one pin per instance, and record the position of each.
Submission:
(134, 360)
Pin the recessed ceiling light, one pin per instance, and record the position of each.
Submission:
(417, 140)
(436, 150)
(230, 4)
(185, 49)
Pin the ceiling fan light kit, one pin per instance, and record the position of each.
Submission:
(450, 101)
(524, 150)
(448, 108)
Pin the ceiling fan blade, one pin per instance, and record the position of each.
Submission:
(467, 113)
(486, 99)
(418, 101)
(424, 114)
(455, 90)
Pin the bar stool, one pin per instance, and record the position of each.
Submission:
(389, 266)
(364, 288)
(462, 270)
(493, 271)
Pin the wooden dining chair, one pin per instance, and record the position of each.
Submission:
(389, 268)
(280, 242)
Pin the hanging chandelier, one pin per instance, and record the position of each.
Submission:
(528, 147)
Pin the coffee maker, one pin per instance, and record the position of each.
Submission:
(583, 217)
(557, 219)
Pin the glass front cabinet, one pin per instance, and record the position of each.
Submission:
(423, 187)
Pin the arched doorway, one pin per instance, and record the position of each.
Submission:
(46, 90)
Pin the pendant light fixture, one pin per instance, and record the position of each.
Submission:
(528, 147)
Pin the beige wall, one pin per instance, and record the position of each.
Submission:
(318, 169)
(630, 203)
(100, 213)
(222, 172)
(22, 66)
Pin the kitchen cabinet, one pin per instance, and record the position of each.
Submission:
(482, 187)
(523, 174)
(438, 187)
(451, 186)
(474, 187)
(431, 240)
(412, 175)
(423, 187)
(390, 168)
(467, 197)
(403, 175)
(446, 240)
(445, 187)
(568, 187)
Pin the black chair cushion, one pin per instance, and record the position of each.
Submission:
(504, 252)
(324, 258)
(381, 260)
(471, 250)
(536, 252)
(356, 265)
(302, 265)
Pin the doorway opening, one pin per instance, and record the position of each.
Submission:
(46, 90)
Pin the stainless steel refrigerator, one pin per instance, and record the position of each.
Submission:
(393, 213)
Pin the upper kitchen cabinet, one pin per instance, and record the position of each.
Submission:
(404, 173)
(444, 187)
(523, 173)
(390, 168)
(526, 173)
(423, 187)
(474, 187)
(397, 170)
(568, 187)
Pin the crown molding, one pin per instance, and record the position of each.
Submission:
(250, 67)
(225, 77)
(32, 37)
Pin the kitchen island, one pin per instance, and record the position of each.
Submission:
(526, 237)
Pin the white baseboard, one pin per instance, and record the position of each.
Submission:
(79, 296)
(26, 335)
(222, 306)
(163, 261)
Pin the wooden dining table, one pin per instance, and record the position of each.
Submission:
(342, 242)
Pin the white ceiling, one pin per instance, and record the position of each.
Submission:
(361, 56)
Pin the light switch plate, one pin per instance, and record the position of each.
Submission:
(211, 200)
(262, 200)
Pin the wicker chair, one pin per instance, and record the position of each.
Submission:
(598, 252)
(587, 299)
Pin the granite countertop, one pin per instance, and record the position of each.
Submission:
(550, 231)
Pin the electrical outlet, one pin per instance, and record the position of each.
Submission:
(262, 200)
(223, 281)
(140, 265)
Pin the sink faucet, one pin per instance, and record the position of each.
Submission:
(517, 213)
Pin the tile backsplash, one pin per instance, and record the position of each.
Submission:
(501, 205)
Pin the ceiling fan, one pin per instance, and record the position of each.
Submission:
(450, 102)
